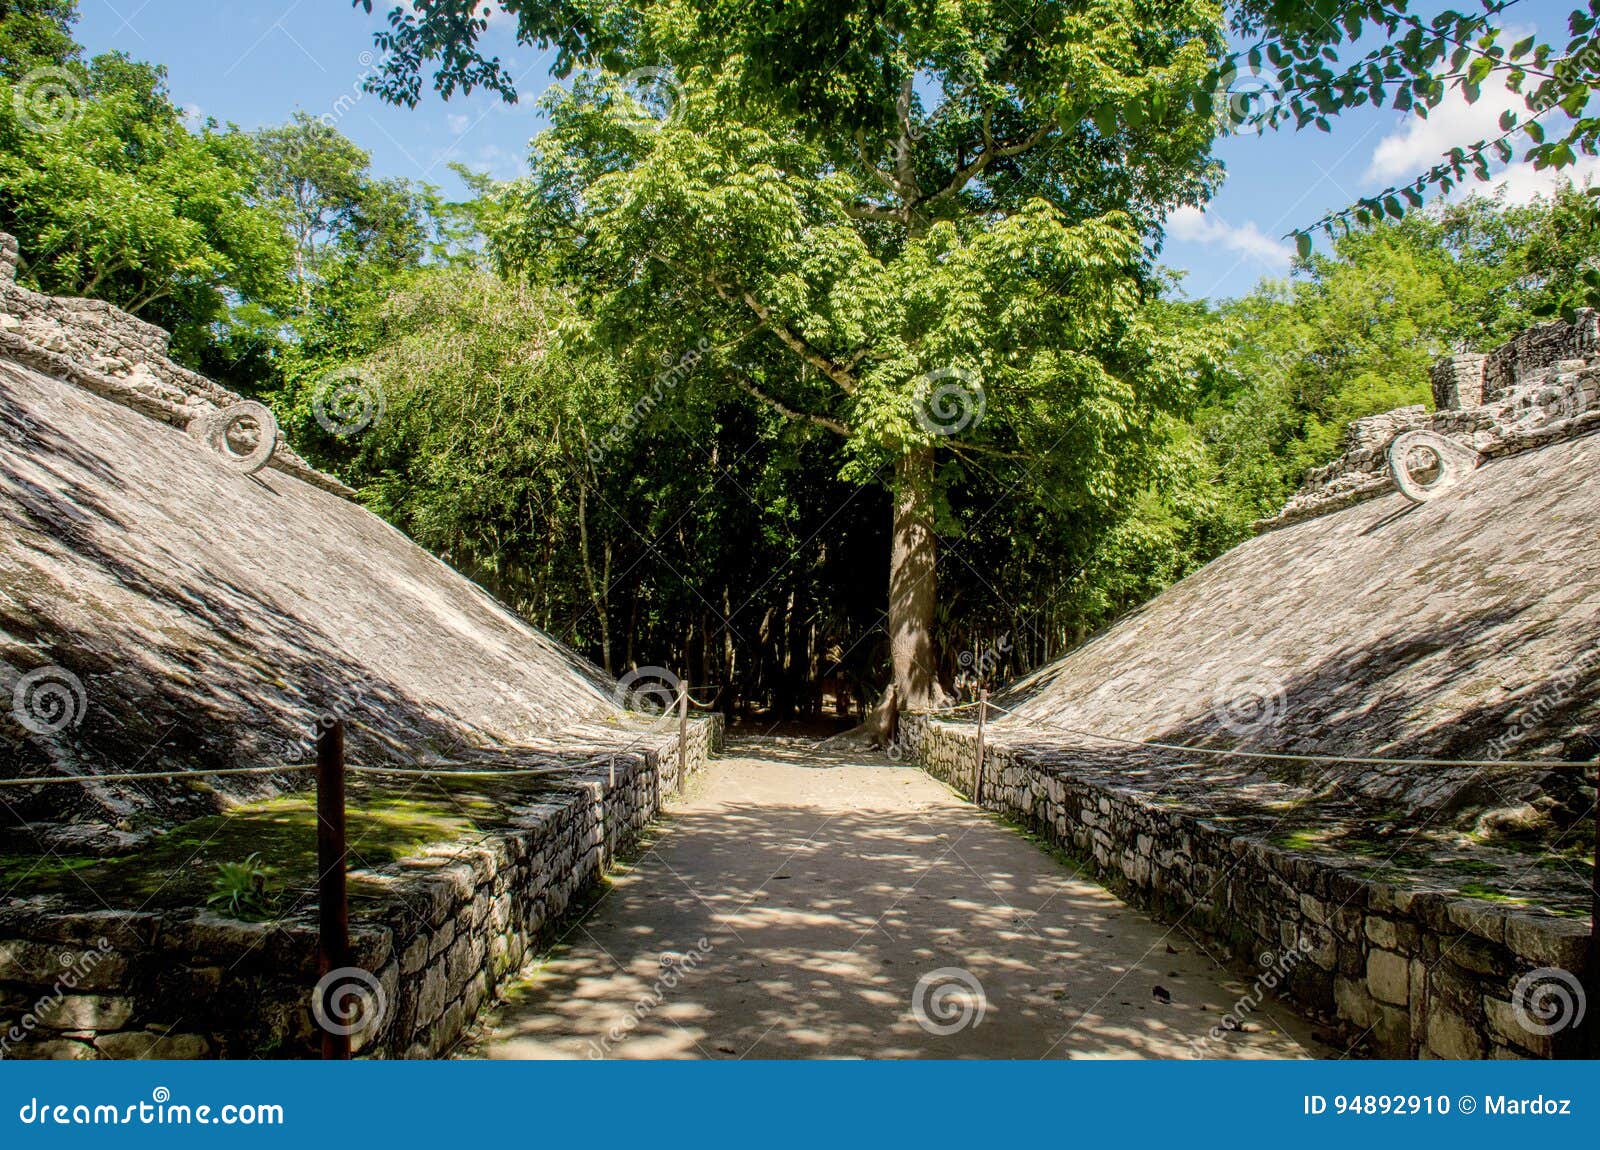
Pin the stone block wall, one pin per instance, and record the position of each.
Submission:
(452, 927)
(1458, 381)
(1403, 973)
(1537, 351)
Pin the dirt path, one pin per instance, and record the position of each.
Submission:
(791, 905)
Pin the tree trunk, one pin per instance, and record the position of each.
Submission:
(912, 585)
(597, 599)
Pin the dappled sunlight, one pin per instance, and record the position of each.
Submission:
(824, 889)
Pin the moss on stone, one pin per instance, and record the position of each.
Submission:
(385, 823)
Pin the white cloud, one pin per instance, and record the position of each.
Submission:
(1416, 145)
(1522, 183)
(1196, 226)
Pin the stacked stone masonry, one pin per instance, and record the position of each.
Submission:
(1464, 629)
(1539, 388)
(1400, 973)
(209, 619)
(113, 354)
(459, 923)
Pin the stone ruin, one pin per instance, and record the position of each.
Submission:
(1433, 594)
(119, 357)
(180, 591)
(1541, 387)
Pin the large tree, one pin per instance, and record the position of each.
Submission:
(1296, 63)
(36, 34)
(940, 254)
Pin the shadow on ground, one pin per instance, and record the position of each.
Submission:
(813, 903)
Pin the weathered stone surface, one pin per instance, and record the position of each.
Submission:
(153, 1045)
(214, 987)
(1353, 1002)
(53, 1049)
(193, 574)
(1542, 386)
(30, 962)
(87, 1012)
(1387, 977)
(1504, 1025)
(1478, 918)
(1545, 941)
(1451, 1036)
(286, 602)
(1458, 381)
(1381, 932)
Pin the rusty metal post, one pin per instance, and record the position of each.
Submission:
(683, 735)
(333, 909)
(983, 719)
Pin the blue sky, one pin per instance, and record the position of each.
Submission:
(253, 63)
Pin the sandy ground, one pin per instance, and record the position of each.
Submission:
(813, 904)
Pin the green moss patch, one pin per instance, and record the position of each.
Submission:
(384, 824)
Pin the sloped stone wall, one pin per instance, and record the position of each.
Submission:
(457, 924)
(201, 618)
(1400, 972)
(105, 350)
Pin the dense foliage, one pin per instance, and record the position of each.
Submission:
(681, 395)
(1293, 63)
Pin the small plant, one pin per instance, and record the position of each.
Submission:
(241, 887)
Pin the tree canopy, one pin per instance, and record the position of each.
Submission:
(733, 351)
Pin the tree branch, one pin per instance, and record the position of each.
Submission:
(788, 412)
(840, 375)
(905, 176)
(991, 151)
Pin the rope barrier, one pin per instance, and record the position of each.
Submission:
(1278, 756)
(403, 772)
(485, 773)
(138, 777)
(696, 702)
